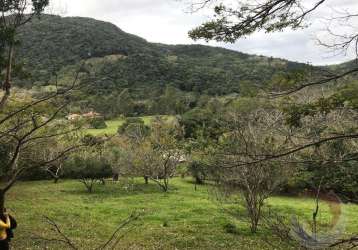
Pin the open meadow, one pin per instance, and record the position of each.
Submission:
(180, 219)
(112, 125)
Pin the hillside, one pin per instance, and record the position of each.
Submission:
(55, 41)
(55, 45)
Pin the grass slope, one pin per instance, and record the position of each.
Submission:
(112, 125)
(182, 219)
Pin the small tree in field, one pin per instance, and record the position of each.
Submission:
(153, 153)
(88, 167)
(133, 151)
(158, 155)
(198, 172)
(249, 137)
(119, 152)
(164, 151)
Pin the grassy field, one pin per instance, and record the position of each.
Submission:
(181, 219)
(112, 125)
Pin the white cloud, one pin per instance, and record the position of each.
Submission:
(165, 21)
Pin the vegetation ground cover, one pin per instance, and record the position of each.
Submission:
(112, 125)
(181, 219)
(228, 132)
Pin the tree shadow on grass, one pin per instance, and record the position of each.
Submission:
(115, 190)
(192, 182)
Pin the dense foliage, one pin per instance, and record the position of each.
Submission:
(98, 123)
(54, 48)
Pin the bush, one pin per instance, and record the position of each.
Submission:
(197, 170)
(342, 178)
(91, 140)
(134, 125)
(200, 122)
(91, 168)
(98, 123)
(165, 223)
(231, 228)
(87, 170)
(182, 170)
(36, 174)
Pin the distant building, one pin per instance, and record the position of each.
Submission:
(91, 115)
(73, 117)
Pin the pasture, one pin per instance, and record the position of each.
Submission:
(183, 218)
(112, 125)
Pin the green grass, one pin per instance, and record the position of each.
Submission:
(112, 125)
(181, 219)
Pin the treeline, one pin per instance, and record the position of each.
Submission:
(53, 49)
(199, 135)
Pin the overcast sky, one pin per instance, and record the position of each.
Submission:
(167, 21)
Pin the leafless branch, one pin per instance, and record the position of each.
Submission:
(323, 81)
(263, 158)
(114, 238)
(111, 243)
(64, 239)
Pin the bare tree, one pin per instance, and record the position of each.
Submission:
(343, 40)
(55, 169)
(164, 152)
(23, 127)
(28, 129)
(249, 137)
(152, 153)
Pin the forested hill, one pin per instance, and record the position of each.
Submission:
(53, 41)
(56, 45)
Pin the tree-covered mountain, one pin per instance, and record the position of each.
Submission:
(56, 46)
(51, 42)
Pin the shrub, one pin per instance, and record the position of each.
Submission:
(87, 170)
(134, 126)
(166, 223)
(197, 170)
(98, 123)
(231, 228)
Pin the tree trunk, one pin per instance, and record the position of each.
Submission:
(254, 210)
(2, 202)
(166, 185)
(89, 188)
(253, 227)
(255, 218)
(88, 184)
(7, 83)
(146, 179)
(198, 180)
